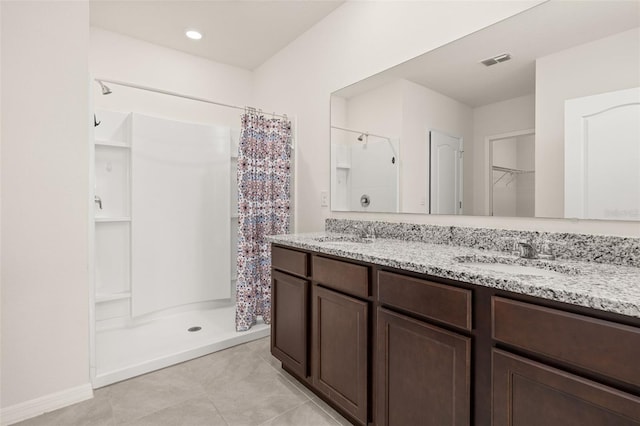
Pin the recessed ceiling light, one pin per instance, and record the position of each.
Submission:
(193, 34)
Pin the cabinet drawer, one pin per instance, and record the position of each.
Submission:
(288, 260)
(343, 276)
(600, 346)
(440, 302)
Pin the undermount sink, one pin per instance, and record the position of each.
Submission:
(342, 238)
(514, 265)
(515, 269)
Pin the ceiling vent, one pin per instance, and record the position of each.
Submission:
(496, 59)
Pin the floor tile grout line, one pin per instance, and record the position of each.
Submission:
(284, 412)
(157, 411)
(310, 399)
(210, 399)
(278, 370)
(328, 413)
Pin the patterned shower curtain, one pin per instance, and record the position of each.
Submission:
(264, 171)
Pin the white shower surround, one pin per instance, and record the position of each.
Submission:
(181, 213)
(164, 252)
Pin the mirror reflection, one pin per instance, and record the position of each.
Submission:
(535, 116)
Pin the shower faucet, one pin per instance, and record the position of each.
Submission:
(98, 201)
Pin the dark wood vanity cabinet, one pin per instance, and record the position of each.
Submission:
(392, 348)
(529, 392)
(423, 370)
(340, 349)
(340, 334)
(320, 327)
(290, 309)
(423, 373)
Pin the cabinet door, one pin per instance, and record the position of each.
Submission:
(527, 393)
(340, 350)
(289, 321)
(423, 373)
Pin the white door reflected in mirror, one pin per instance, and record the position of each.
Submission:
(602, 156)
(445, 187)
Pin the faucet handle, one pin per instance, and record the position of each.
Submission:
(546, 251)
(515, 247)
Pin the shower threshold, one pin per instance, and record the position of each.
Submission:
(122, 353)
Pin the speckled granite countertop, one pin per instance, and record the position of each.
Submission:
(611, 288)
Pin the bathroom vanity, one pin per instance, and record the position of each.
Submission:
(399, 332)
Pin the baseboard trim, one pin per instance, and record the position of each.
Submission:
(53, 401)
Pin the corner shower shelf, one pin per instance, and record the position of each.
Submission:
(112, 219)
(114, 144)
(109, 297)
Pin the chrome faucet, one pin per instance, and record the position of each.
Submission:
(369, 233)
(98, 201)
(528, 250)
(366, 231)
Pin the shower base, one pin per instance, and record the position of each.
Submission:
(125, 352)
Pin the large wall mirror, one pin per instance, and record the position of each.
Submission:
(535, 116)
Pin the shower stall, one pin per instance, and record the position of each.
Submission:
(164, 237)
(365, 171)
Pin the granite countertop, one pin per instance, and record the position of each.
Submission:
(610, 288)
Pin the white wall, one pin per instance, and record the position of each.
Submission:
(377, 111)
(424, 110)
(605, 65)
(112, 56)
(45, 208)
(355, 41)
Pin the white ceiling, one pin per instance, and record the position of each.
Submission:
(239, 33)
(455, 70)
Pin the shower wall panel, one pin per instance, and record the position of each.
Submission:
(180, 213)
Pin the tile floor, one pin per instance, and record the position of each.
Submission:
(243, 385)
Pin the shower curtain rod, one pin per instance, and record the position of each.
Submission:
(369, 134)
(361, 133)
(180, 95)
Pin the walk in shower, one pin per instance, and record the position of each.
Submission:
(165, 223)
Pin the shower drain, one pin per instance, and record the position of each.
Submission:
(193, 329)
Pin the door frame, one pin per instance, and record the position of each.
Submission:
(488, 160)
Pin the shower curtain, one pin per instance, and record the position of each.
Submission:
(264, 171)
